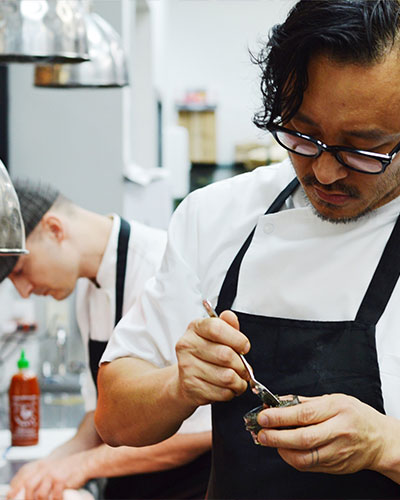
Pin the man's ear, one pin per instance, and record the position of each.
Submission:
(52, 225)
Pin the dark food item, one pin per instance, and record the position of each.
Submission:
(250, 418)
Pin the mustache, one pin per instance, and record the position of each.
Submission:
(311, 180)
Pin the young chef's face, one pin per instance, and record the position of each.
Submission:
(354, 106)
(50, 268)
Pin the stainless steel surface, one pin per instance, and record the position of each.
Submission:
(42, 30)
(106, 68)
(257, 387)
(12, 230)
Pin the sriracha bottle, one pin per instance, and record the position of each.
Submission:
(24, 397)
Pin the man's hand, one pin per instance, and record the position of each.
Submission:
(209, 366)
(335, 434)
(48, 478)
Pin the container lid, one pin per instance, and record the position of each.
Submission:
(23, 362)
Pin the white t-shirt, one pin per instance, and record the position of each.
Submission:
(297, 267)
(95, 306)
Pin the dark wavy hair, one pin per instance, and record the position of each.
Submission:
(348, 31)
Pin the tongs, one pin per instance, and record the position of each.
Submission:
(257, 387)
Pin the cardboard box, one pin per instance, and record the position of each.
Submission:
(201, 125)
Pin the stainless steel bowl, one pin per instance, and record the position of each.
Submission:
(106, 68)
(12, 229)
(42, 30)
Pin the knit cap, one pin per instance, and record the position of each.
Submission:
(35, 199)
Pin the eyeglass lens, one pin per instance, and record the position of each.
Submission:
(305, 147)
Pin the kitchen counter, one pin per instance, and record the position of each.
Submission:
(60, 414)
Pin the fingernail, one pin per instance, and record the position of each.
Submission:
(263, 420)
(246, 348)
(262, 438)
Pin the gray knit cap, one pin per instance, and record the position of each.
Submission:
(35, 199)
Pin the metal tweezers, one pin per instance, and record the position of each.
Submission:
(257, 387)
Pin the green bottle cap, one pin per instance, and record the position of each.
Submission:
(23, 362)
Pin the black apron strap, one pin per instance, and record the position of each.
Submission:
(97, 347)
(122, 256)
(283, 196)
(229, 287)
(383, 281)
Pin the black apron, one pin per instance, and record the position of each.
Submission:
(97, 347)
(188, 481)
(309, 358)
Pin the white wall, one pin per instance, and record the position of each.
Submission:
(143, 90)
(204, 44)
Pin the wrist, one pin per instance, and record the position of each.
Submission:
(88, 464)
(387, 461)
(174, 393)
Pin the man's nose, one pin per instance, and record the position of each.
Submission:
(23, 286)
(327, 169)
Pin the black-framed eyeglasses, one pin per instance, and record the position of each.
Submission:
(359, 160)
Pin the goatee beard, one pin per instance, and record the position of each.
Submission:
(311, 181)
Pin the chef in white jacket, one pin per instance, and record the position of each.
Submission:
(110, 260)
(301, 261)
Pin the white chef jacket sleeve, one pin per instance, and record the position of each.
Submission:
(169, 302)
(205, 233)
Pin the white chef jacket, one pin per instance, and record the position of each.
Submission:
(297, 266)
(95, 305)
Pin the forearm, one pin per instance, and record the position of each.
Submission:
(86, 437)
(173, 452)
(139, 404)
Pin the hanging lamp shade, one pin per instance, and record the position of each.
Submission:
(106, 68)
(42, 30)
(12, 230)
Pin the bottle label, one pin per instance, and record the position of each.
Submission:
(25, 411)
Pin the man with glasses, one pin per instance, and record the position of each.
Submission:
(301, 262)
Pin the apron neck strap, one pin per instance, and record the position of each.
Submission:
(228, 290)
(383, 281)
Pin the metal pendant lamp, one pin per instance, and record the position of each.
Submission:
(42, 30)
(106, 68)
(12, 229)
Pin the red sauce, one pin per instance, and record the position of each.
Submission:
(24, 400)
